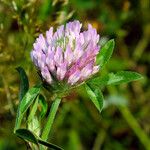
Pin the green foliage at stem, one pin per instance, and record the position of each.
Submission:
(115, 78)
(105, 53)
(25, 103)
(43, 105)
(29, 136)
(96, 96)
(24, 83)
(51, 117)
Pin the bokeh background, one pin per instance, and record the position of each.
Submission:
(124, 123)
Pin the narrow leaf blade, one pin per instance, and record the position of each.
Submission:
(105, 53)
(27, 135)
(49, 145)
(29, 98)
(96, 97)
(33, 110)
(25, 103)
(24, 83)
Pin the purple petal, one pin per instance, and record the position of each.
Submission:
(73, 29)
(58, 56)
(42, 43)
(60, 31)
(78, 52)
(33, 57)
(74, 77)
(46, 75)
(61, 71)
(87, 70)
(41, 61)
(37, 46)
(68, 55)
(49, 35)
(50, 59)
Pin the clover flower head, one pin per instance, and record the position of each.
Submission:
(67, 55)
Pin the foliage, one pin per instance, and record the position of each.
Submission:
(124, 123)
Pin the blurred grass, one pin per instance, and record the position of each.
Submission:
(78, 125)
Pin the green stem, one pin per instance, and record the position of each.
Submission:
(50, 120)
(135, 126)
(99, 140)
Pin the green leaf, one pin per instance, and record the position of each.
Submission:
(24, 83)
(105, 53)
(27, 135)
(49, 145)
(35, 126)
(25, 103)
(96, 96)
(29, 98)
(115, 78)
(43, 105)
(123, 77)
(33, 110)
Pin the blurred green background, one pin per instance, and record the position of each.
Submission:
(124, 123)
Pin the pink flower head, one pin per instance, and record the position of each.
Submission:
(68, 54)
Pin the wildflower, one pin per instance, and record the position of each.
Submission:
(67, 55)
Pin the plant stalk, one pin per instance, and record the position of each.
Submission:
(135, 126)
(50, 120)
